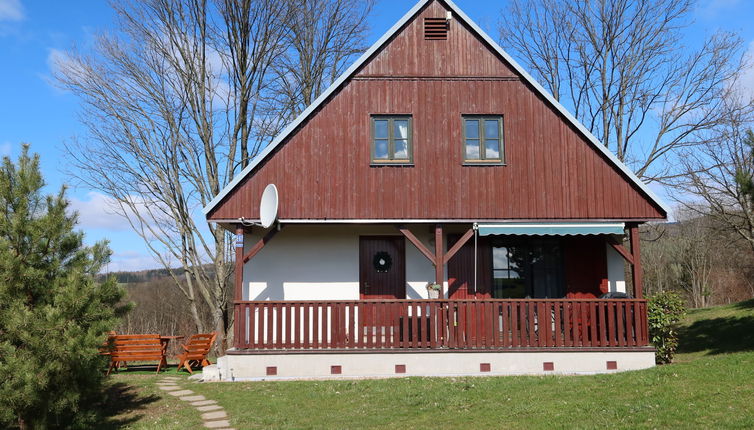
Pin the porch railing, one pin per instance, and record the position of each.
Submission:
(440, 324)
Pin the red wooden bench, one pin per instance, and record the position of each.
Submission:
(196, 350)
(136, 347)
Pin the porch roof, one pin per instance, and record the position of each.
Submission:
(552, 229)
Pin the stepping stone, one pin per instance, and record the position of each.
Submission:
(180, 393)
(193, 398)
(204, 403)
(214, 415)
(209, 408)
(169, 387)
(216, 424)
(170, 378)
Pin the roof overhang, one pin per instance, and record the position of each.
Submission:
(374, 49)
(552, 229)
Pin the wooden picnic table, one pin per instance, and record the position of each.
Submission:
(165, 341)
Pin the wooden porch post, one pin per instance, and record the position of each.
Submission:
(636, 275)
(439, 259)
(238, 295)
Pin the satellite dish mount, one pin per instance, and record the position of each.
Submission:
(268, 208)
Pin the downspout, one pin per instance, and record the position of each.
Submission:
(476, 234)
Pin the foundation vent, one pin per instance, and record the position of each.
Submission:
(436, 28)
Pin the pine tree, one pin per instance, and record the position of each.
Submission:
(53, 311)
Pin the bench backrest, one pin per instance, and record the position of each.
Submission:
(136, 347)
(199, 345)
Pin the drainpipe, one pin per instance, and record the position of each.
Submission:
(476, 234)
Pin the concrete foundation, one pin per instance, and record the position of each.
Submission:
(291, 366)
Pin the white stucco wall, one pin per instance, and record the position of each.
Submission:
(321, 262)
(616, 270)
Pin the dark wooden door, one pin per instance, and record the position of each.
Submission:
(382, 267)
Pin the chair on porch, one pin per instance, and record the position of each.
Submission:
(196, 350)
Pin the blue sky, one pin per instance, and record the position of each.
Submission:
(33, 32)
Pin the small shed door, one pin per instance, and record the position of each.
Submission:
(382, 267)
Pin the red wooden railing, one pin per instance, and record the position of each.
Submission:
(440, 324)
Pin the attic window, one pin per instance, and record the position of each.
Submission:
(435, 29)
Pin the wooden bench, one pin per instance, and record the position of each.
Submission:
(135, 347)
(196, 350)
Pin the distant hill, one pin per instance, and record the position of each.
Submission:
(140, 275)
(149, 275)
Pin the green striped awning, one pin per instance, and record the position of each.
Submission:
(551, 229)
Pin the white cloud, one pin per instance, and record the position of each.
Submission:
(11, 10)
(747, 78)
(59, 60)
(128, 261)
(98, 212)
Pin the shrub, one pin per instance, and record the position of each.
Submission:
(665, 310)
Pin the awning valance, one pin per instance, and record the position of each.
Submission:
(551, 229)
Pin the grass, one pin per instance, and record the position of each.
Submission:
(711, 385)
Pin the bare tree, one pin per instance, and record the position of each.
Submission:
(323, 34)
(621, 67)
(719, 174)
(176, 102)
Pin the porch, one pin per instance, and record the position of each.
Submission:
(313, 301)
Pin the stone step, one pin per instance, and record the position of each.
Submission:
(193, 398)
(216, 415)
(168, 387)
(208, 408)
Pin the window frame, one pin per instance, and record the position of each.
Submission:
(391, 161)
(483, 161)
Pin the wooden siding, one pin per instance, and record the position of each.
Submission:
(323, 171)
(410, 54)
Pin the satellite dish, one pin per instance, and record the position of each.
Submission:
(268, 206)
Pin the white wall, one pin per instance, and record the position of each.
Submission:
(321, 262)
(616, 270)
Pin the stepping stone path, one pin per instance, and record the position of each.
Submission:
(213, 415)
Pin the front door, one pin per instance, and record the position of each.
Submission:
(382, 267)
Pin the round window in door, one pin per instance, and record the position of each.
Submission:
(382, 262)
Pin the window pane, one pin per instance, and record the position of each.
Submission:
(499, 258)
(492, 149)
(472, 149)
(380, 129)
(491, 129)
(380, 150)
(401, 150)
(472, 129)
(400, 128)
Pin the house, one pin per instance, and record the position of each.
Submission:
(436, 159)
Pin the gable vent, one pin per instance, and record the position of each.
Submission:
(435, 28)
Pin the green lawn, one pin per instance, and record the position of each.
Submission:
(711, 385)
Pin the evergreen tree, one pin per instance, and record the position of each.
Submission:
(53, 313)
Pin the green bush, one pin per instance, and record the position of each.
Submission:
(665, 310)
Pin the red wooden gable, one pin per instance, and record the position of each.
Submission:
(553, 171)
